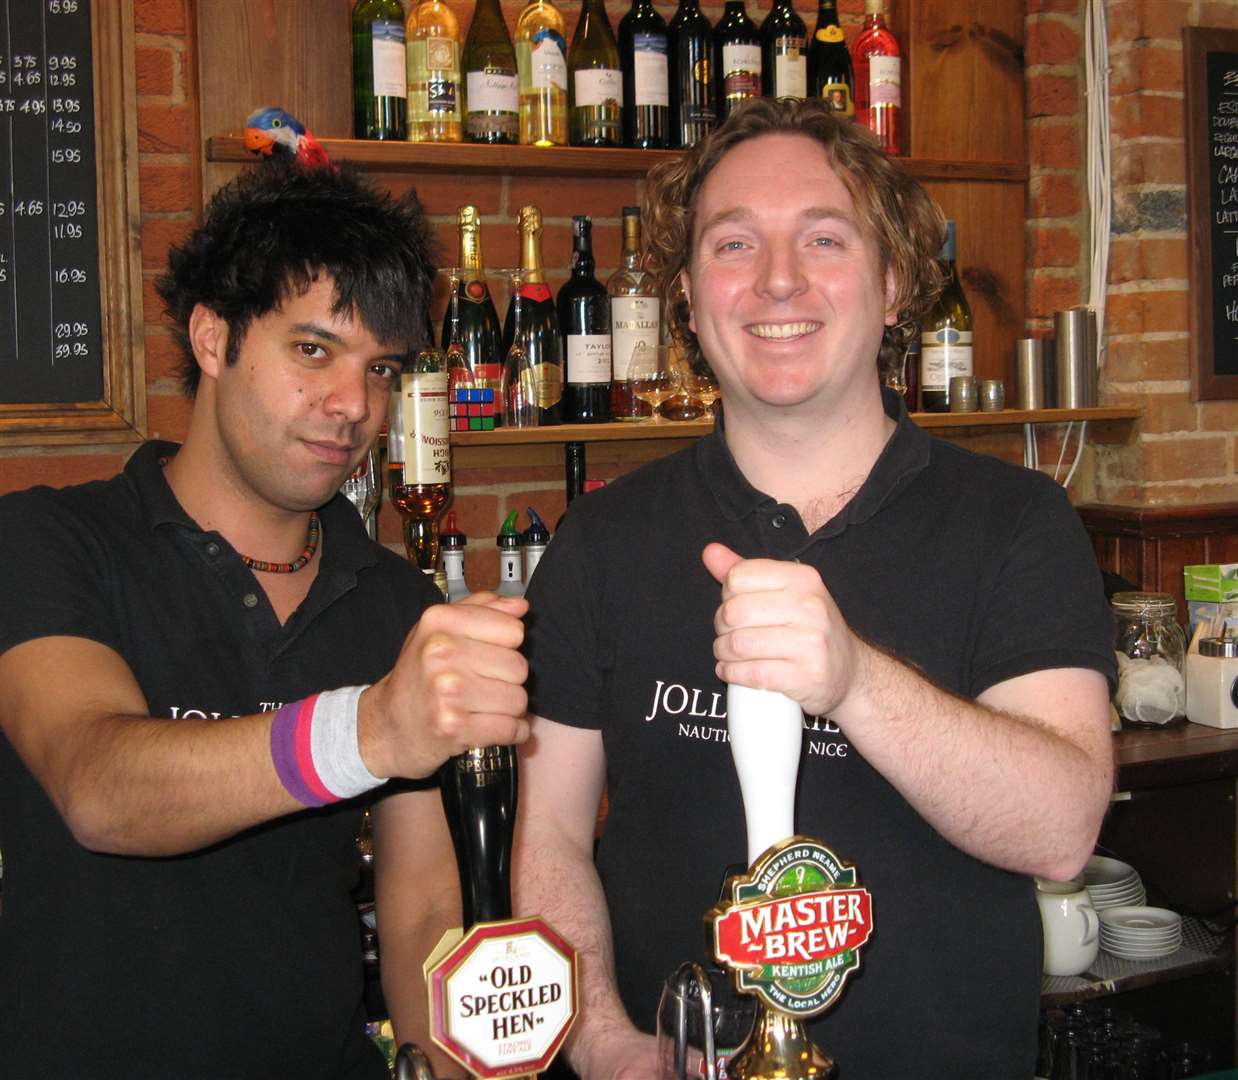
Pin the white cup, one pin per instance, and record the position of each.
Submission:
(1071, 928)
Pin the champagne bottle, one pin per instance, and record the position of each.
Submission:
(379, 86)
(784, 63)
(584, 320)
(491, 91)
(829, 62)
(471, 323)
(878, 78)
(643, 47)
(690, 45)
(419, 455)
(540, 338)
(433, 34)
(737, 58)
(945, 337)
(595, 80)
(541, 57)
(635, 320)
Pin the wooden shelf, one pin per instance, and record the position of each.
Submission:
(673, 429)
(383, 156)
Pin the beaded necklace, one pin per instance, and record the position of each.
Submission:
(311, 545)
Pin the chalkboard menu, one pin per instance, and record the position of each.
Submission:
(50, 318)
(1211, 59)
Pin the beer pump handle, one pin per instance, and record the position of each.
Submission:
(766, 730)
(479, 799)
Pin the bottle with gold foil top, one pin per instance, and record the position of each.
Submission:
(539, 338)
(419, 455)
(471, 324)
(541, 61)
(434, 92)
(830, 75)
(635, 320)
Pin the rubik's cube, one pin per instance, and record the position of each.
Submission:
(472, 409)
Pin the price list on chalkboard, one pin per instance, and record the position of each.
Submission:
(1223, 185)
(50, 320)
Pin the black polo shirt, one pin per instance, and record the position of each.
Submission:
(972, 569)
(240, 960)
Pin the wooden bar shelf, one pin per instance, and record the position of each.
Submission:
(391, 156)
(688, 429)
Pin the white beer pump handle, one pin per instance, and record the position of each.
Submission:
(766, 730)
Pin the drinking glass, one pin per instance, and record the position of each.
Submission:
(682, 403)
(690, 1045)
(702, 384)
(364, 490)
(650, 375)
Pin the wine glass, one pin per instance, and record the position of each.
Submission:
(519, 383)
(682, 403)
(702, 1020)
(649, 372)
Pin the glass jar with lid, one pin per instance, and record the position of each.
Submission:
(1150, 650)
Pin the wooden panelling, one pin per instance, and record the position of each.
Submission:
(965, 83)
(1151, 546)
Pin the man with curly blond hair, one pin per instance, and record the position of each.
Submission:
(938, 616)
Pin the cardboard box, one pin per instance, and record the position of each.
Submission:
(1215, 582)
(1198, 611)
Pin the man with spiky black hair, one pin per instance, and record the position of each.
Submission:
(208, 671)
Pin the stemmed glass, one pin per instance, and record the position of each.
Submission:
(650, 375)
(702, 384)
(458, 371)
(519, 385)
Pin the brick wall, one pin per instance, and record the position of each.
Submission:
(1181, 453)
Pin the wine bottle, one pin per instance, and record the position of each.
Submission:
(945, 337)
(784, 63)
(690, 48)
(737, 58)
(541, 58)
(379, 77)
(491, 91)
(584, 321)
(452, 543)
(471, 322)
(595, 80)
(433, 34)
(643, 48)
(511, 582)
(635, 320)
(878, 77)
(540, 338)
(829, 62)
(419, 455)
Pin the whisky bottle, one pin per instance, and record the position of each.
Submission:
(635, 320)
(419, 455)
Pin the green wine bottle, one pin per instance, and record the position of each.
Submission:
(595, 80)
(829, 62)
(945, 337)
(379, 74)
(646, 91)
(737, 58)
(491, 86)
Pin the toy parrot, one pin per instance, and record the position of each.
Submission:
(272, 132)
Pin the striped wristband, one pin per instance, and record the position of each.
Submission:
(314, 748)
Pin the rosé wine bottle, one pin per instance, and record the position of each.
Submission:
(878, 75)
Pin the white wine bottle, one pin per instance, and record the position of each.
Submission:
(433, 35)
(491, 86)
(595, 80)
(541, 59)
(945, 337)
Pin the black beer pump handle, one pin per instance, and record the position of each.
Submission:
(479, 799)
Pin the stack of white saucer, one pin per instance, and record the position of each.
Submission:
(1140, 933)
(1111, 883)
